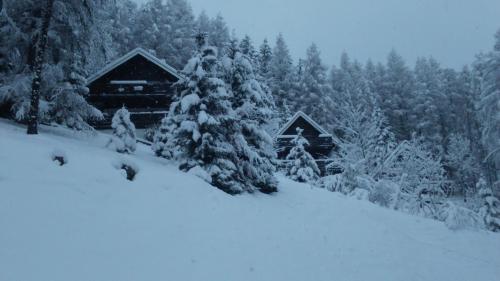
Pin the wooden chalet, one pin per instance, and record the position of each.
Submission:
(322, 144)
(138, 80)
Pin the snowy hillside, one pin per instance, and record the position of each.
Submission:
(85, 221)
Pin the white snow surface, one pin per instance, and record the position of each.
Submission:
(85, 221)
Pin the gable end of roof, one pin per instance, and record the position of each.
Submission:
(320, 129)
(138, 51)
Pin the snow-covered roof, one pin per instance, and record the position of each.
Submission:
(128, 56)
(323, 132)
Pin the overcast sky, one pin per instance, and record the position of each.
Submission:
(452, 31)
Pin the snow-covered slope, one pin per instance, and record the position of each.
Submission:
(85, 221)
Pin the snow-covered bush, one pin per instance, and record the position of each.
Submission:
(360, 194)
(160, 139)
(301, 167)
(149, 133)
(420, 175)
(490, 212)
(331, 183)
(127, 167)
(461, 165)
(384, 193)
(457, 217)
(59, 156)
(123, 139)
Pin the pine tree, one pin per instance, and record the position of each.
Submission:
(160, 139)
(281, 76)
(487, 87)
(78, 44)
(301, 167)
(430, 103)
(461, 164)
(122, 17)
(254, 106)
(203, 122)
(219, 33)
(265, 57)
(247, 48)
(396, 91)
(124, 139)
(68, 105)
(315, 94)
(491, 209)
(166, 28)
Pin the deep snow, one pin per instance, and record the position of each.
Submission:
(85, 221)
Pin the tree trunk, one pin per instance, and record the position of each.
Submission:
(37, 69)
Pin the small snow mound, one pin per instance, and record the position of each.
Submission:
(127, 167)
(59, 156)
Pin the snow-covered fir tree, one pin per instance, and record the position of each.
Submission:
(315, 95)
(491, 208)
(301, 165)
(396, 91)
(77, 46)
(487, 87)
(248, 49)
(204, 123)
(160, 139)
(265, 57)
(462, 166)
(254, 107)
(124, 138)
(68, 105)
(281, 77)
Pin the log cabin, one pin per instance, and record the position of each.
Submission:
(138, 80)
(322, 143)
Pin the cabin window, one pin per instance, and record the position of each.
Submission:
(121, 89)
(138, 88)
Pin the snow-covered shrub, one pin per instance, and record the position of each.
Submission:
(420, 175)
(302, 166)
(384, 193)
(149, 133)
(123, 139)
(461, 165)
(160, 139)
(456, 217)
(490, 212)
(360, 194)
(128, 168)
(349, 179)
(331, 183)
(60, 157)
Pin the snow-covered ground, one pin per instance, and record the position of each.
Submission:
(85, 221)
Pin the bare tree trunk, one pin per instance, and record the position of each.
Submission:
(37, 69)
